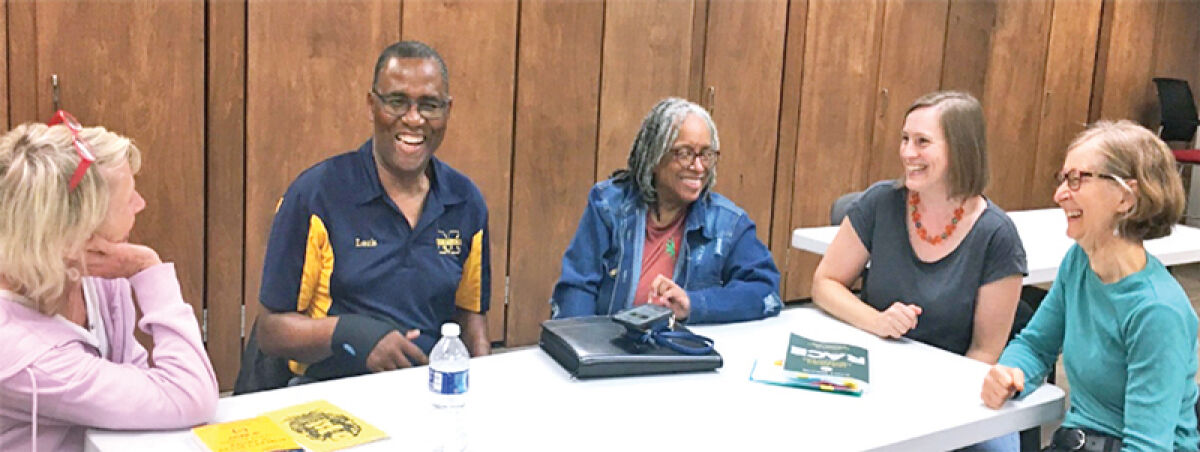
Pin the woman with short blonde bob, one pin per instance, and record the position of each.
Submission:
(1125, 327)
(67, 279)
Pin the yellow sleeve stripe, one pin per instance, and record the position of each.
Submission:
(470, 288)
(314, 299)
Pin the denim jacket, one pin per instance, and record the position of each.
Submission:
(728, 273)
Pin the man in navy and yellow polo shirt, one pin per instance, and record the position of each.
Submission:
(372, 250)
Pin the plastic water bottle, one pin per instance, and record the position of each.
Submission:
(448, 386)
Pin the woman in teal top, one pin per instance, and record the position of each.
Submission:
(1124, 326)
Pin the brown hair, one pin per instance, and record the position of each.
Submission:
(1135, 153)
(961, 118)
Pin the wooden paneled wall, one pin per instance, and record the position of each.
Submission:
(225, 188)
(232, 99)
(1041, 69)
(1141, 40)
(554, 148)
(145, 81)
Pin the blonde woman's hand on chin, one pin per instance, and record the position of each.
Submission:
(107, 259)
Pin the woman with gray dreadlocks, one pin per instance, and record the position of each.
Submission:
(656, 233)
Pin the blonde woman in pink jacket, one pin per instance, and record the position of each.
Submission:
(68, 276)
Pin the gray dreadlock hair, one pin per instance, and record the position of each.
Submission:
(659, 131)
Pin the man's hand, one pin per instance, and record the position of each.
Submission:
(474, 332)
(897, 319)
(1000, 384)
(117, 260)
(396, 351)
(664, 291)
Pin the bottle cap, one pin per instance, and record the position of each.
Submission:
(450, 329)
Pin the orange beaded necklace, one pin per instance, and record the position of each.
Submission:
(914, 200)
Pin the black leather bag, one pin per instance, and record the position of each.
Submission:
(596, 346)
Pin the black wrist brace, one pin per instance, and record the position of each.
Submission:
(353, 339)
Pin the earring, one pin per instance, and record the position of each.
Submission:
(1117, 223)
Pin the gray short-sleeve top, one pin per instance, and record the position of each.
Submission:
(945, 289)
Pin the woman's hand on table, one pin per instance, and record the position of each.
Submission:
(1001, 384)
(896, 320)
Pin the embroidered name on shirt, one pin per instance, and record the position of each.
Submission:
(367, 243)
(449, 242)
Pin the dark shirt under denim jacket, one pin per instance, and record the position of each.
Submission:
(728, 273)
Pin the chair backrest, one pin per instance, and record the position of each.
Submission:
(1027, 305)
(1179, 119)
(842, 205)
(260, 371)
(1031, 299)
(837, 212)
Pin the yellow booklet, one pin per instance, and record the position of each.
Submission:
(319, 426)
(257, 434)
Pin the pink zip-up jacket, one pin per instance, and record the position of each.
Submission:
(54, 385)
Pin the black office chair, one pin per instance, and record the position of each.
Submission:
(837, 212)
(1031, 299)
(1179, 119)
(260, 371)
(1180, 123)
(840, 206)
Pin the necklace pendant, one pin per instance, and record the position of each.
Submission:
(671, 247)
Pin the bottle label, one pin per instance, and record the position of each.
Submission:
(448, 382)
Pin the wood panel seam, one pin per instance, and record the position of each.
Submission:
(512, 163)
(599, 93)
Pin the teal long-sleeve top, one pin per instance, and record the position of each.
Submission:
(1129, 350)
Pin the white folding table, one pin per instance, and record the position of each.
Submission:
(920, 398)
(1044, 234)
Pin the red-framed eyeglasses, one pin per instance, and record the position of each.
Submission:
(86, 156)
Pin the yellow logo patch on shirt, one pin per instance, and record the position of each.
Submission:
(449, 242)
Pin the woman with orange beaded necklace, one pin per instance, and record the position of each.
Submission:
(934, 228)
(946, 263)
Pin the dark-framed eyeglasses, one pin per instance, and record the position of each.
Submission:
(86, 155)
(1074, 177)
(399, 104)
(687, 156)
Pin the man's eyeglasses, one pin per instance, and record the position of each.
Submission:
(686, 156)
(1074, 177)
(399, 104)
(86, 156)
